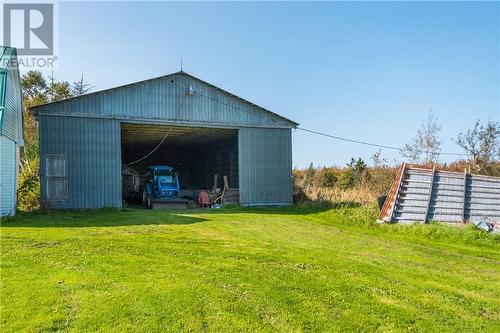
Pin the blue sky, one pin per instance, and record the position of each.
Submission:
(368, 71)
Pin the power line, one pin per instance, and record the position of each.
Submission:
(367, 143)
(311, 131)
(349, 140)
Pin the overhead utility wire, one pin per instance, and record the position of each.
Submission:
(152, 151)
(367, 143)
(348, 140)
(316, 132)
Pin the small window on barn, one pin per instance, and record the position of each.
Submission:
(57, 177)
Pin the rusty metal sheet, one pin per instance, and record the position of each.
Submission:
(422, 194)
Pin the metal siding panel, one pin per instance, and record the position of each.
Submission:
(455, 197)
(447, 197)
(7, 176)
(42, 142)
(161, 99)
(13, 105)
(483, 198)
(92, 150)
(265, 170)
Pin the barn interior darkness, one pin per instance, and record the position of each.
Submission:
(196, 153)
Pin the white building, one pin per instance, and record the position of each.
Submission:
(11, 129)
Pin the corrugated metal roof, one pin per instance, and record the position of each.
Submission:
(422, 194)
(159, 88)
(6, 54)
(11, 124)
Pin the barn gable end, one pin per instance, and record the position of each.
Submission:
(168, 99)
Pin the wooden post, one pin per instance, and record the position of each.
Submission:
(396, 194)
(214, 188)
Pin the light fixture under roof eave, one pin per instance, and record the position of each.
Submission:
(191, 90)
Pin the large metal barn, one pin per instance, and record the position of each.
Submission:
(179, 120)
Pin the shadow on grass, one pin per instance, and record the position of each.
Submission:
(105, 217)
(296, 209)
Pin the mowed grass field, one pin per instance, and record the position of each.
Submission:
(289, 269)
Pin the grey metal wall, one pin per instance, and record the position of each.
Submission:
(87, 129)
(432, 195)
(265, 166)
(161, 99)
(92, 149)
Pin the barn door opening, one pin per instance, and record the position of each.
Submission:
(197, 154)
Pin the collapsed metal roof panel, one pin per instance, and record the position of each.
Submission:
(422, 195)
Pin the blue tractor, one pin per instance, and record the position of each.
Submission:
(162, 186)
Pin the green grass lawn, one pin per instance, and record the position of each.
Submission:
(292, 269)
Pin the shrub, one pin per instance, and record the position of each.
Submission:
(347, 179)
(356, 183)
(356, 171)
(309, 176)
(327, 177)
(379, 180)
(28, 193)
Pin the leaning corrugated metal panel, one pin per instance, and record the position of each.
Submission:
(422, 195)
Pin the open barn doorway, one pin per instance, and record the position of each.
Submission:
(195, 154)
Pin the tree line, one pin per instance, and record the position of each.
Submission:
(480, 144)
